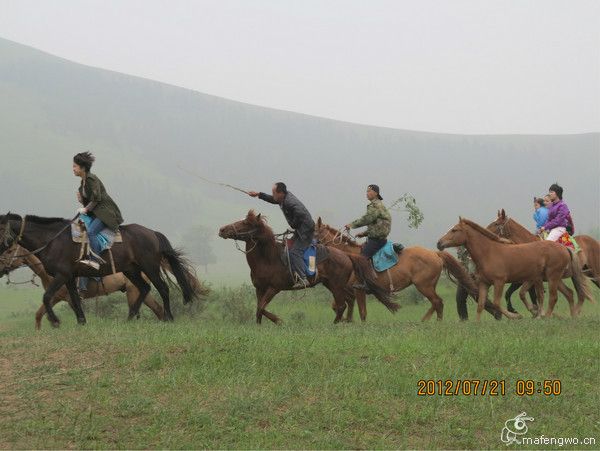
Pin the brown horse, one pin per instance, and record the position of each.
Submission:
(589, 257)
(270, 275)
(141, 251)
(416, 265)
(109, 284)
(499, 262)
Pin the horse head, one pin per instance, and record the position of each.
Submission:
(245, 229)
(455, 237)
(500, 225)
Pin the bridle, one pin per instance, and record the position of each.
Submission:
(9, 237)
(338, 237)
(239, 235)
(503, 229)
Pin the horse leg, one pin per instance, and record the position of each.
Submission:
(483, 289)
(568, 294)
(552, 295)
(71, 285)
(132, 294)
(163, 290)
(533, 295)
(511, 289)
(523, 295)
(461, 302)
(268, 295)
(136, 278)
(54, 286)
(350, 308)
(361, 301)
(437, 305)
(498, 289)
(539, 290)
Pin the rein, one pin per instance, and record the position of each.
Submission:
(240, 234)
(39, 249)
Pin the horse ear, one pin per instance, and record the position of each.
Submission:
(460, 219)
(503, 214)
(319, 222)
(498, 213)
(258, 217)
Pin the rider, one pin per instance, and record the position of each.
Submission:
(300, 220)
(96, 203)
(378, 221)
(540, 213)
(559, 216)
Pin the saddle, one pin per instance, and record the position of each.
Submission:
(79, 234)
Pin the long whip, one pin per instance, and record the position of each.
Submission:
(214, 182)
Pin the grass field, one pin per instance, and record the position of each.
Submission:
(213, 379)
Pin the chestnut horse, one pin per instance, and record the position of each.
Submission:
(589, 256)
(270, 276)
(499, 262)
(416, 265)
(109, 284)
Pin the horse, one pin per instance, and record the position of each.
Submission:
(589, 256)
(142, 250)
(109, 284)
(416, 265)
(499, 262)
(270, 275)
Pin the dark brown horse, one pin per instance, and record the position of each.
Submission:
(499, 262)
(589, 256)
(416, 265)
(270, 276)
(142, 250)
(109, 284)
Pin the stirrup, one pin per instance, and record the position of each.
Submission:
(90, 263)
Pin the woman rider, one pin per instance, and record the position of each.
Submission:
(97, 204)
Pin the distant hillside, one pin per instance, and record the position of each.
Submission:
(141, 130)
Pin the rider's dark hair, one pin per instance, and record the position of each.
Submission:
(85, 160)
(280, 187)
(539, 201)
(557, 189)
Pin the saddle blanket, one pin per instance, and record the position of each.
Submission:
(568, 241)
(386, 257)
(106, 236)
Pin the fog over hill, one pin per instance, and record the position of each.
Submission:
(142, 131)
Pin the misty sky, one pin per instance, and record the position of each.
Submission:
(445, 66)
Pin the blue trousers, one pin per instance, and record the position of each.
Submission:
(95, 227)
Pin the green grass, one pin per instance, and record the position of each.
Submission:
(216, 380)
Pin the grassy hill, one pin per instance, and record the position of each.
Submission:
(142, 131)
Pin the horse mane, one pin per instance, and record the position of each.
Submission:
(492, 236)
(42, 220)
(518, 225)
(32, 218)
(266, 232)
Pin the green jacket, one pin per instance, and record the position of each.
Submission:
(377, 219)
(98, 202)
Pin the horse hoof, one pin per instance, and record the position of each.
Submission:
(81, 321)
(55, 324)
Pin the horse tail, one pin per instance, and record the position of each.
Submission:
(578, 277)
(454, 269)
(591, 247)
(181, 269)
(366, 274)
